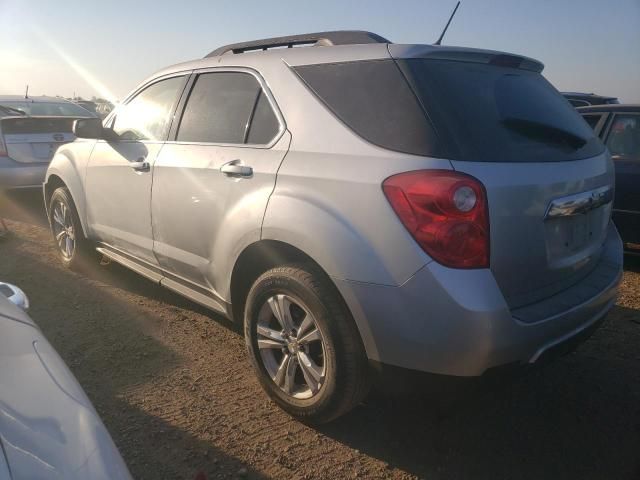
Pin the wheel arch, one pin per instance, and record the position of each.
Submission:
(52, 183)
(256, 259)
(64, 171)
(263, 255)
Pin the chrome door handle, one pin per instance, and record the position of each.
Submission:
(234, 170)
(141, 166)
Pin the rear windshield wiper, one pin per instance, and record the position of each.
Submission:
(544, 132)
(12, 110)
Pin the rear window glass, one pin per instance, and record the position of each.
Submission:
(493, 113)
(50, 109)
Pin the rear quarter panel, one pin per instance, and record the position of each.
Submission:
(328, 200)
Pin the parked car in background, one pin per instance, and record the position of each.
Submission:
(619, 127)
(103, 109)
(578, 99)
(87, 105)
(304, 192)
(31, 129)
(48, 427)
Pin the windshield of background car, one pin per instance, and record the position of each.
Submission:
(49, 109)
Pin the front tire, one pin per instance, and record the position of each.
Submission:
(73, 248)
(304, 344)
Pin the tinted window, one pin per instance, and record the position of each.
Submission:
(264, 125)
(62, 109)
(373, 99)
(220, 108)
(624, 136)
(499, 114)
(148, 115)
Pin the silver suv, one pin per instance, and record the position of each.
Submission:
(354, 203)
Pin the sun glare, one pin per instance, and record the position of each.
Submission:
(99, 87)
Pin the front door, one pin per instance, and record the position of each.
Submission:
(119, 173)
(623, 140)
(211, 183)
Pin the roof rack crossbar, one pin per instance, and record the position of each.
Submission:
(340, 37)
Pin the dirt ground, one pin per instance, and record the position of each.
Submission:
(173, 384)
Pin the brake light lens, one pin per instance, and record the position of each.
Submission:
(446, 212)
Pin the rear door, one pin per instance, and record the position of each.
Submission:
(211, 183)
(623, 141)
(538, 159)
(119, 173)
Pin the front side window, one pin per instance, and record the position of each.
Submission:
(148, 115)
(624, 136)
(227, 107)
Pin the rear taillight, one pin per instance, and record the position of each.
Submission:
(446, 213)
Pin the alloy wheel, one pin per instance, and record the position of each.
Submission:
(291, 346)
(63, 229)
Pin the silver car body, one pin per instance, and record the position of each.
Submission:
(316, 189)
(48, 427)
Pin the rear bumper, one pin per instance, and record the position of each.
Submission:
(456, 322)
(21, 175)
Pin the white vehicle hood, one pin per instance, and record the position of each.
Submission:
(48, 427)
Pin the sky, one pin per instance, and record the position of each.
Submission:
(90, 47)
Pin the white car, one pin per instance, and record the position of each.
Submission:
(48, 427)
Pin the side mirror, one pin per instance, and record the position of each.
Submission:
(88, 128)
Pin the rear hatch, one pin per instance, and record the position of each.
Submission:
(548, 178)
(35, 139)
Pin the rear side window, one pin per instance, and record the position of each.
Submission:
(264, 125)
(375, 101)
(496, 113)
(227, 107)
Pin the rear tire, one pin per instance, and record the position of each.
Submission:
(73, 248)
(315, 368)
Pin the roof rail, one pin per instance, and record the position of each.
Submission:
(340, 37)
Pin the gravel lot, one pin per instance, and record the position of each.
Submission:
(173, 385)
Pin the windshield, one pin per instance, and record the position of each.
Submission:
(49, 109)
(500, 114)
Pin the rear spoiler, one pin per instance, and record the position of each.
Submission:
(37, 124)
(461, 54)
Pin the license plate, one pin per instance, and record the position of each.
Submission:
(578, 232)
